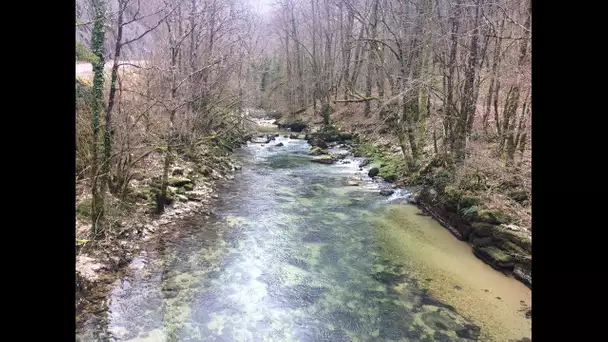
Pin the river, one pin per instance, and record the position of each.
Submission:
(294, 253)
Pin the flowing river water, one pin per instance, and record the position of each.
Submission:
(294, 253)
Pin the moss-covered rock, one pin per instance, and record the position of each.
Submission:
(179, 181)
(495, 257)
(392, 170)
(494, 216)
(483, 229)
(516, 238)
(478, 214)
(373, 172)
(323, 159)
(188, 187)
(481, 241)
(316, 150)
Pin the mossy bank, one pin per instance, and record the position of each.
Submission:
(457, 203)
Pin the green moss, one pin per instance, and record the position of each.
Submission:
(468, 200)
(497, 254)
(483, 229)
(315, 151)
(493, 216)
(83, 53)
(188, 187)
(521, 241)
(469, 213)
(441, 178)
(83, 209)
(325, 156)
(452, 193)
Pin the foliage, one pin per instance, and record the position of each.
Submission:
(85, 54)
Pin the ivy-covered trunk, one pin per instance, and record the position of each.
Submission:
(97, 44)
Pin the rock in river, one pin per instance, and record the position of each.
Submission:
(324, 159)
(373, 172)
(387, 192)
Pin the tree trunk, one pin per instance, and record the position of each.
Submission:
(122, 4)
(97, 47)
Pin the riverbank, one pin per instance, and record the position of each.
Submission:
(483, 207)
(192, 192)
(295, 251)
(449, 269)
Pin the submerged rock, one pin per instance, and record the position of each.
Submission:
(387, 192)
(324, 159)
(373, 172)
(260, 140)
(523, 276)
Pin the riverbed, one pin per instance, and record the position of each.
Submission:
(293, 252)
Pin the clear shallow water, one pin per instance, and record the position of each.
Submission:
(292, 253)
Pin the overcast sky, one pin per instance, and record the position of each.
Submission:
(262, 6)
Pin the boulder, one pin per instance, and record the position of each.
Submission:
(316, 151)
(292, 126)
(179, 181)
(373, 172)
(387, 192)
(181, 198)
(317, 142)
(352, 183)
(260, 140)
(279, 144)
(324, 159)
(293, 136)
(295, 127)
